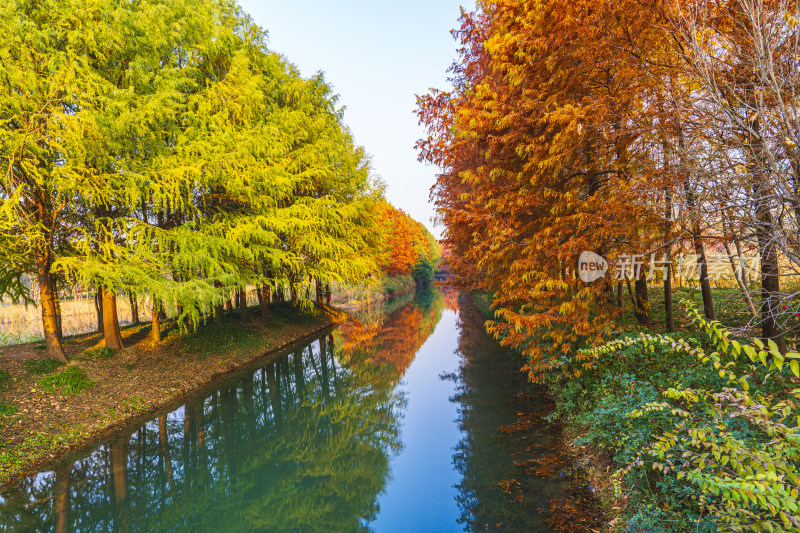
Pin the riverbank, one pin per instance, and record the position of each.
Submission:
(352, 298)
(658, 423)
(48, 410)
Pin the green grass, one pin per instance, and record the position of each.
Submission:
(7, 410)
(15, 460)
(729, 306)
(398, 284)
(130, 367)
(71, 381)
(136, 404)
(103, 354)
(41, 366)
(5, 380)
(216, 338)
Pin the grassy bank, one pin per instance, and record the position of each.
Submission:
(48, 409)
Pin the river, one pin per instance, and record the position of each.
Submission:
(409, 419)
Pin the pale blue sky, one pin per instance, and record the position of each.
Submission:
(378, 55)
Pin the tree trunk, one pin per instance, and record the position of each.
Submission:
(98, 308)
(770, 276)
(280, 295)
(163, 441)
(155, 332)
(218, 308)
(293, 293)
(642, 301)
(320, 293)
(243, 304)
(767, 246)
(669, 322)
(738, 273)
(702, 264)
(265, 301)
(702, 271)
(134, 307)
(47, 299)
(59, 323)
(748, 279)
(119, 467)
(111, 333)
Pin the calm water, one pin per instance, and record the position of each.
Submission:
(386, 424)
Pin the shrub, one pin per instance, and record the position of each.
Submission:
(423, 270)
(733, 452)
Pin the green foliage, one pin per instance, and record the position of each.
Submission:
(428, 260)
(70, 381)
(6, 381)
(220, 338)
(711, 428)
(227, 169)
(103, 354)
(41, 366)
(423, 270)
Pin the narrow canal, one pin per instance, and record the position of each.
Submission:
(408, 420)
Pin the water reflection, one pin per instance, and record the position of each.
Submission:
(306, 442)
(301, 444)
(502, 436)
(394, 337)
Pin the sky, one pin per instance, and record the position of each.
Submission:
(378, 55)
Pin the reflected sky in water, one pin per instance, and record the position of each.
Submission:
(421, 495)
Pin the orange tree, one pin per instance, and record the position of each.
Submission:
(542, 158)
(408, 248)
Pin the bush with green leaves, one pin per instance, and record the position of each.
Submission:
(724, 435)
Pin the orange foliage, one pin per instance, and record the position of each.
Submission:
(394, 339)
(539, 156)
(404, 240)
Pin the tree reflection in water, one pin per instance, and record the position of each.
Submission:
(499, 492)
(301, 444)
(396, 337)
(304, 443)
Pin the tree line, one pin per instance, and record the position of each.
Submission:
(628, 127)
(160, 148)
